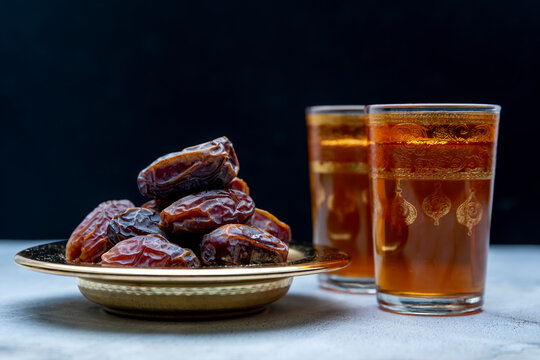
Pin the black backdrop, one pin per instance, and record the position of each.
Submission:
(93, 91)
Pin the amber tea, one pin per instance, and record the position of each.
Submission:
(341, 215)
(432, 182)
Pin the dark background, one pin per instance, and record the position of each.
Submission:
(93, 91)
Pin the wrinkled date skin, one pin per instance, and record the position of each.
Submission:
(156, 205)
(269, 223)
(211, 165)
(133, 222)
(205, 211)
(149, 251)
(238, 184)
(187, 240)
(240, 244)
(89, 240)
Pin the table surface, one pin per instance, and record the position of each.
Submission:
(45, 317)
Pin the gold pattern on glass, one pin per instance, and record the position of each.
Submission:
(321, 197)
(364, 196)
(437, 204)
(330, 202)
(432, 174)
(338, 226)
(336, 119)
(434, 117)
(406, 132)
(352, 142)
(469, 213)
(330, 167)
(401, 210)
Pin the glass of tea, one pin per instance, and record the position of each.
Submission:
(340, 203)
(431, 180)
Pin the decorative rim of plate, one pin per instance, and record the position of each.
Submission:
(49, 258)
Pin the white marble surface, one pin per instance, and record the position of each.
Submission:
(45, 317)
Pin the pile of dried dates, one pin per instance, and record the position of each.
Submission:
(200, 211)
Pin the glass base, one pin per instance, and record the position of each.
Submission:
(349, 284)
(442, 306)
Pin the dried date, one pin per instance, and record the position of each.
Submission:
(149, 251)
(133, 222)
(89, 240)
(238, 184)
(240, 244)
(205, 211)
(211, 165)
(156, 205)
(269, 223)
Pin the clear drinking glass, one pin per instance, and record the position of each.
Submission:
(431, 180)
(340, 202)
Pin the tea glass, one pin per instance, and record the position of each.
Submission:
(431, 183)
(340, 204)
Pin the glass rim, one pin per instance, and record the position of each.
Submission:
(435, 107)
(335, 109)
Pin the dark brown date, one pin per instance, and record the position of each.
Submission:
(205, 211)
(149, 251)
(188, 241)
(156, 205)
(89, 240)
(269, 223)
(238, 184)
(211, 165)
(133, 222)
(239, 244)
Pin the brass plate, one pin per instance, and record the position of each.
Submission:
(184, 293)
